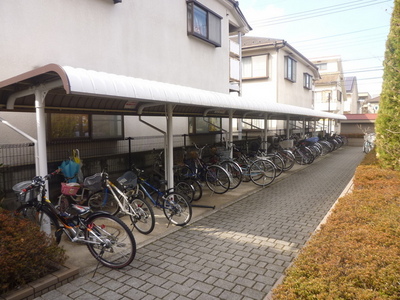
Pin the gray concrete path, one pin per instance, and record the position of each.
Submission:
(238, 252)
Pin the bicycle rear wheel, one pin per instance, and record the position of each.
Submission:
(109, 240)
(40, 218)
(143, 215)
(177, 209)
(185, 188)
(262, 172)
(101, 201)
(198, 188)
(217, 179)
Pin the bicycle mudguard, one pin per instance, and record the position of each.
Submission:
(97, 213)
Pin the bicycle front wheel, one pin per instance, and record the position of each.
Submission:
(143, 215)
(234, 171)
(109, 240)
(262, 172)
(41, 218)
(101, 201)
(217, 179)
(177, 209)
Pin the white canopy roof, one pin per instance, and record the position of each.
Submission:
(79, 88)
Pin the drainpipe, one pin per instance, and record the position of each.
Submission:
(277, 48)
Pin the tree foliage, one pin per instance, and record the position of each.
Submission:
(388, 120)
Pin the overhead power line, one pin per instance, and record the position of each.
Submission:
(340, 34)
(316, 13)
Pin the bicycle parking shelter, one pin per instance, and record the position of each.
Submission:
(64, 88)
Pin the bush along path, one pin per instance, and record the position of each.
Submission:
(355, 255)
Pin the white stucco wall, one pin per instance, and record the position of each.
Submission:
(141, 38)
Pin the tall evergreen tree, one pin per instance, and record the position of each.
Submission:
(388, 120)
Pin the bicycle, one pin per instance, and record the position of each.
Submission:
(369, 142)
(222, 159)
(123, 203)
(108, 239)
(177, 209)
(260, 171)
(216, 177)
(189, 187)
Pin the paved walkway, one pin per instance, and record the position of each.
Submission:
(238, 252)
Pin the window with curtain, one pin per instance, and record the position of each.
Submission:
(255, 66)
(290, 69)
(307, 81)
(203, 23)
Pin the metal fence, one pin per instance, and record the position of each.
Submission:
(17, 161)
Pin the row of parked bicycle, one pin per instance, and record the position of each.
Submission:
(90, 212)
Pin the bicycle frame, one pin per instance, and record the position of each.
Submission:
(142, 183)
(115, 191)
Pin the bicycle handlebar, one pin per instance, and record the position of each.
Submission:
(39, 181)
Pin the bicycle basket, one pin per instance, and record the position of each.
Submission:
(70, 188)
(129, 179)
(28, 195)
(93, 183)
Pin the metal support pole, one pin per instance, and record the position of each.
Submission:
(170, 147)
(40, 95)
(265, 131)
(35, 143)
(287, 127)
(230, 142)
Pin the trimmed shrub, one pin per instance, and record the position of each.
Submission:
(355, 255)
(26, 253)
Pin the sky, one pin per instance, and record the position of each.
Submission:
(354, 30)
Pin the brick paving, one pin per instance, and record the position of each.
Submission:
(238, 252)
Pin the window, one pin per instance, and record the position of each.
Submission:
(85, 126)
(322, 67)
(203, 23)
(339, 96)
(67, 126)
(255, 66)
(323, 96)
(204, 125)
(290, 68)
(106, 127)
(307, 81)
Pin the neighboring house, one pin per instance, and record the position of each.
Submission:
(351, 101)
(330, 90)
(185, 43)
(276, 71)
(363, 97)
(371, 106)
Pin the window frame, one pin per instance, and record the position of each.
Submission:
(194, 125)
(252, 68)
(213, 21)
(307, 81)
(90, 127)
(290, 68)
